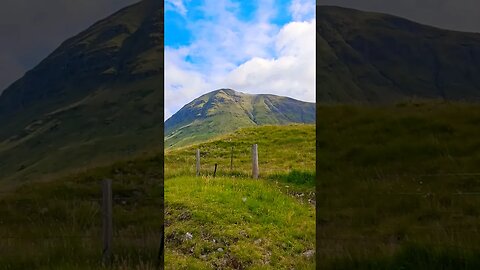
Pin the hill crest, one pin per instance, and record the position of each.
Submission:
(224, 110)
(372, 58)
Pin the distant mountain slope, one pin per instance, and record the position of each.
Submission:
(375, 58)
(225, 110)
(95, 98)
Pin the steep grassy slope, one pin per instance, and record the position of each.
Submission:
(225, 110)
(232, 221)
(367, 57)
(399, 187)
(94, 99)
(57, 224)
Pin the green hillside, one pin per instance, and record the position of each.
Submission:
(94, 99)
(225, 110)
(398, 178)
(232, 221)
(57, 224)
(365, 57)
(399, 186)
(66, 125)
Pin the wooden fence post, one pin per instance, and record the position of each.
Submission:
(231, 160)
(198, 162)
(255, 169)
(160, 257)
(215, 171)
(107, 207)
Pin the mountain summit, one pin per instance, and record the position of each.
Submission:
(224, 110)
(97, 97)
(365, 57)
(122, 48)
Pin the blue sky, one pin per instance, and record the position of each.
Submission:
(250, 46)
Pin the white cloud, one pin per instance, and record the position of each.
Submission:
(291, 73)
(302, 9)
(176, 5)
(182, 82)
(225, 41)
(253, 56)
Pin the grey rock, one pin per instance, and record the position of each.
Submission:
(309, 253)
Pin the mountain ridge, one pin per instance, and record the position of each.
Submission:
(224, 110)
(412, 21)
(102, 54)
(94, 99)
(371, 58)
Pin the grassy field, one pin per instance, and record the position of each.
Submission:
(399, 187)
(57, 224)
(233, 221)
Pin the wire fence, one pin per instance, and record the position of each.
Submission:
(97, 225)
(447, 231)
(121, 200)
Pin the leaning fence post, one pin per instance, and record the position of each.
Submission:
(198, 162)
(215, 171)
(107, 220)
(255, 161)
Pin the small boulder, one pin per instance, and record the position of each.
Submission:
(309, 253)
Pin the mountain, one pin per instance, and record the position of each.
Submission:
(365, 57)
(225, 110)
(97, 97)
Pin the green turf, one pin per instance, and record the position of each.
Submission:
(257, 224)
(57, 224)
(393, 193)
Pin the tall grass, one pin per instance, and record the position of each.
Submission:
(393, 177)
(282, 149)
(57, 224)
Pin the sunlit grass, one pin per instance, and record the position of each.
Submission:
(237, 222)
(252, 221)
